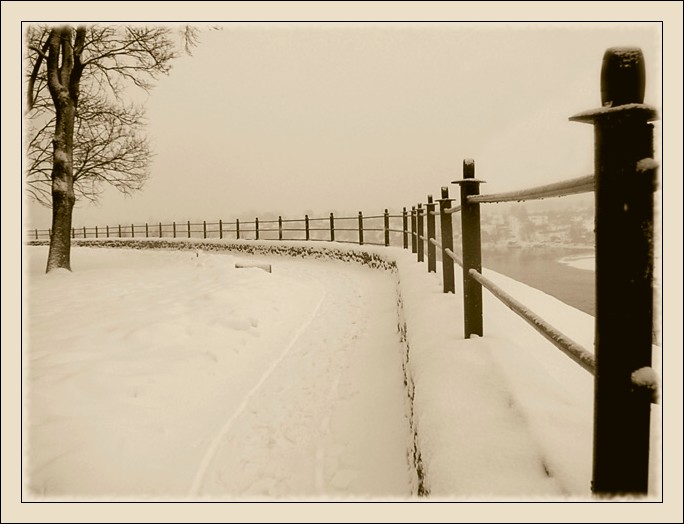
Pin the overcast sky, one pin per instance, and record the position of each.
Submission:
(295, 118)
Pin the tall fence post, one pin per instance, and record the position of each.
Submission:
(220, 228)
(237, 229)
(625, 178)
(107, 231)
(147, 231)
(204, 228)
(447, 241)
(414, 246)
(160, 230)
(188, 229)
(360, 228)
(431, 250)
(306, 225)
(472, 250)
(174, 230)
(132, 231)
(36, 234)
(404, 227)
(332, 228)
(84, 232)
(119, 230)
(256, 227)
(386, 227)
(280, 228)
(419, 233)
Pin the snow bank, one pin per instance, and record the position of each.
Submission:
(504, 417)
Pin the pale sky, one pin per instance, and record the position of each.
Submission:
(296, 118)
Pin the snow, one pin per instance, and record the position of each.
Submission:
(171, 374)
(586, 262)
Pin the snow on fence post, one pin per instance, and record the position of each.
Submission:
(204, 228)
(414, 247)
(237, 229)
(472, 250)
(280, 228)
(404, 227)
(431, 250)
(360, 228)
(332, 228)
(386, 227)
(220, 228)
(625, 175)
(419, 233)
(256, 227)
(306, 225)
(447, 241)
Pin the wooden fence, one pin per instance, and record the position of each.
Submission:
(624, 181)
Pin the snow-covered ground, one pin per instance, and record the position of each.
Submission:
(586, 262)
(173, 374)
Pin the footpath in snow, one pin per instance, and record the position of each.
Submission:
(173, 374)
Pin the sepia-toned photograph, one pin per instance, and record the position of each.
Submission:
(312, 258)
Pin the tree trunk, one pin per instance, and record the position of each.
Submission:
(63, 74)
(63, 197)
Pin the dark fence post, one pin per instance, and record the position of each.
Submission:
(280, 228)
(174, 230)
(431, 250)
(360, 228)
(625, 178)
(414, 246)
(419, 233)
(132, 231)
(332, 228)
(237, 229)
(256, 227)
(96, 233)
(160, 230)
(73, 232)
(306, 225)
(36, 234)
(447, 242)
(472, 250)
(84, 232)
(220, 228)
(147, 231)
(204, 228)
(119, 230)
(386, 226)
(188, 229)
(107, 231)
(404, 227)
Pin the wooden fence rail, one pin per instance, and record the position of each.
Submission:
(623, 183)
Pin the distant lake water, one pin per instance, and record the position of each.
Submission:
(566, 274)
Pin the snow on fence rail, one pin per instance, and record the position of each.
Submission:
(624, 182)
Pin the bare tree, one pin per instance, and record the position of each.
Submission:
(82, 134)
